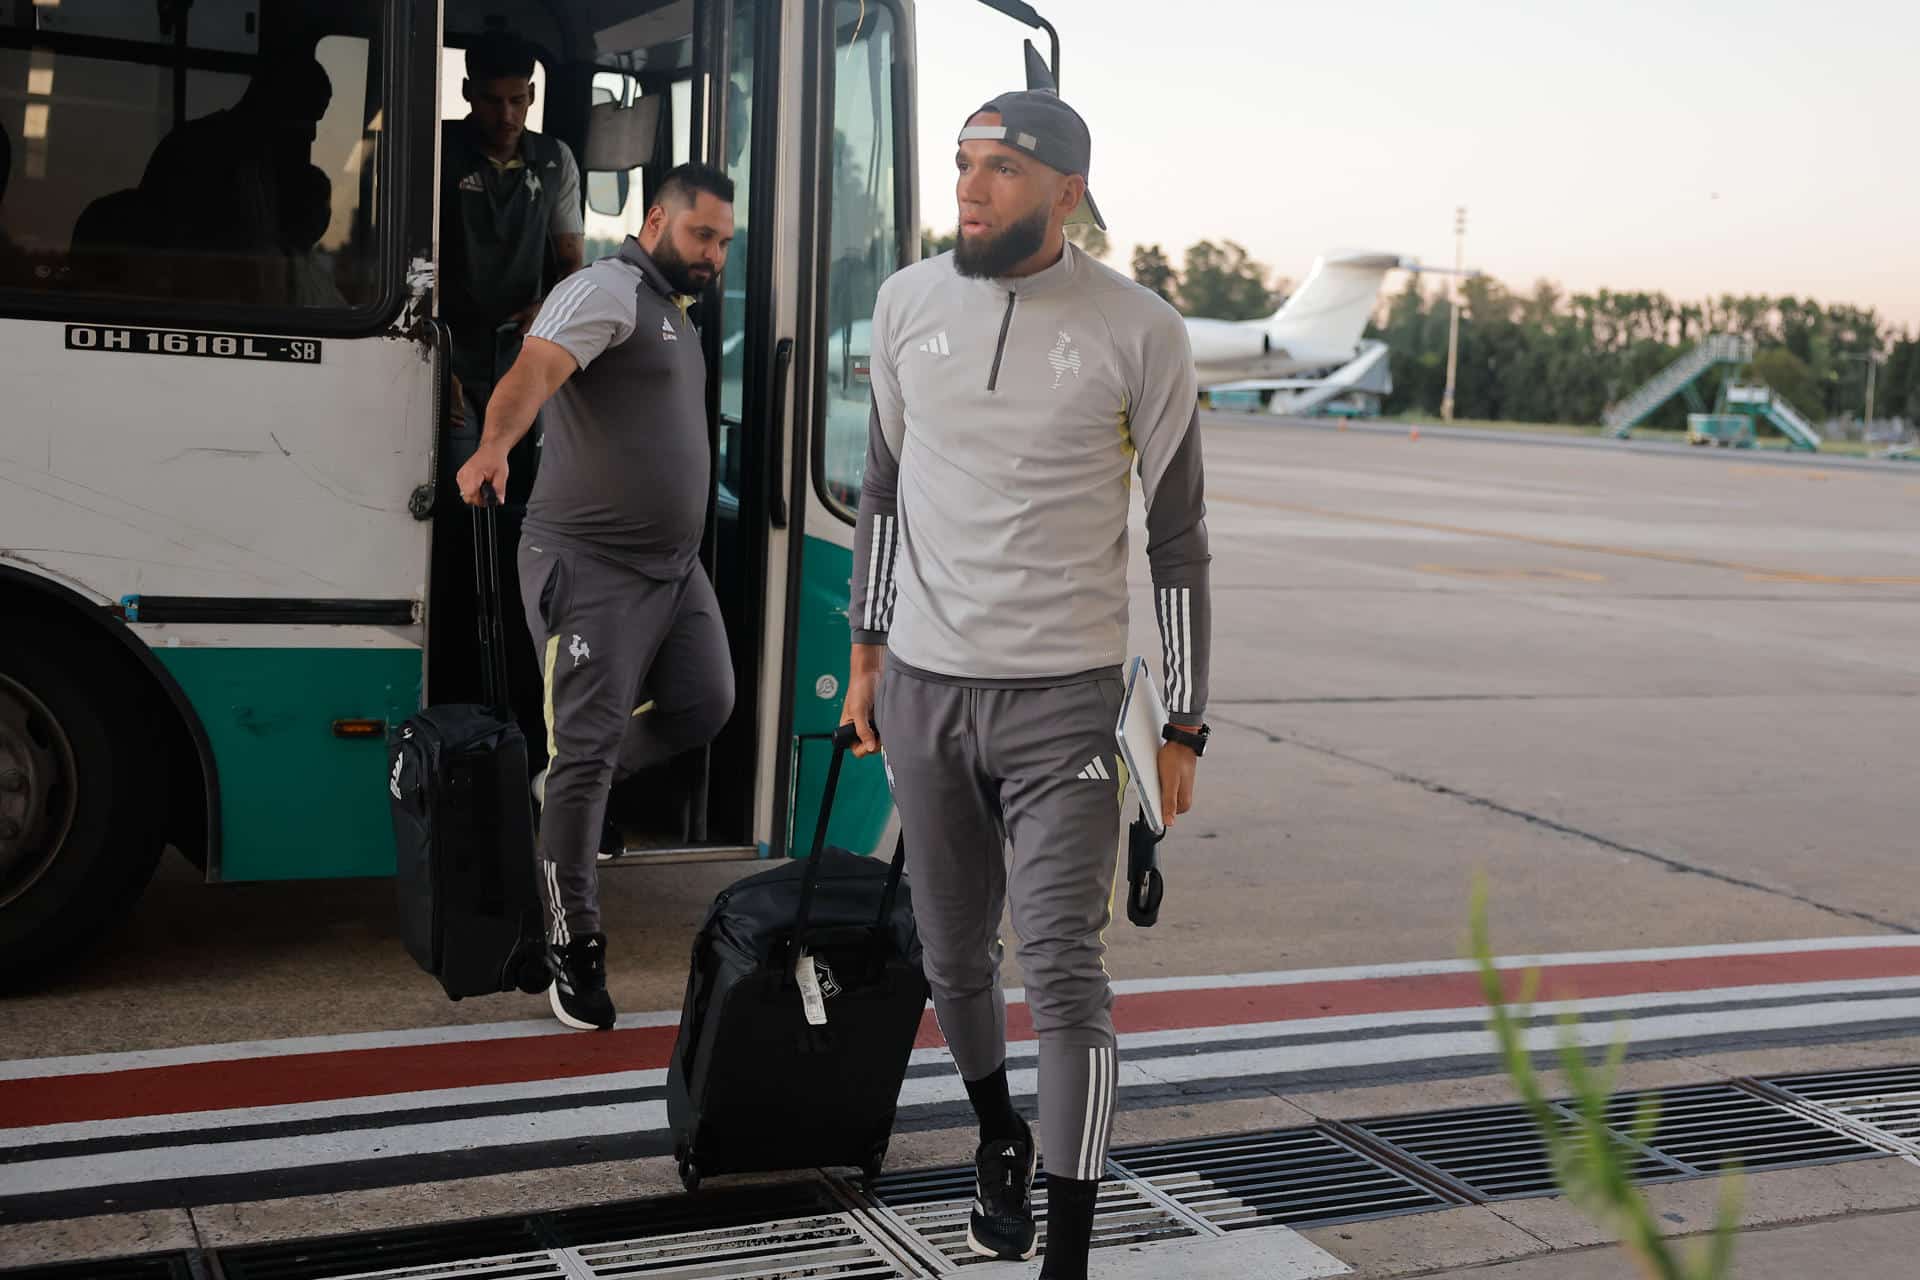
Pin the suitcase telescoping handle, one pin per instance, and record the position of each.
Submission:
(843, 739)
(486, 574)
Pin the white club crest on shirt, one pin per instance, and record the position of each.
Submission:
(1064, 358)
(580, 650)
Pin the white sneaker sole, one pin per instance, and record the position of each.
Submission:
(985, 1252)
(553, 998)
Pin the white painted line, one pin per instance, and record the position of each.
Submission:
(1731, 1021)
(88, 1064)
(1461, 1044)
(215, 1159)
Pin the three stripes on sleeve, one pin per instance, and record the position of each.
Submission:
(881, 588)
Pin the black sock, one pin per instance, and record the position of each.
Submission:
(1069, 1227)
(994, 1105)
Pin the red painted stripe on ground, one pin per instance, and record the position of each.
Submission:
(316, 1077)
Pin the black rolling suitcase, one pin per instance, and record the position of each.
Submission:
(801, 1012)
(469, 890)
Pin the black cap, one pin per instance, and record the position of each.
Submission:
(1037, 122)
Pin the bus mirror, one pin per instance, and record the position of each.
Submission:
(607, 192)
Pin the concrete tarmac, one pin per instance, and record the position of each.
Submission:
(1653, 701)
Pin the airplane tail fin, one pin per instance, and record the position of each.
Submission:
(1329, 311)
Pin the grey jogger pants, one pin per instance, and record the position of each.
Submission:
(603, 632)
(973, 770)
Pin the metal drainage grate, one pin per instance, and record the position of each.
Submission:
(1289, 1177)
(1493, 1152)
(711, 1210)
(1709, 1128)
(1884, 1100)
(497, 1249)
(168, 1266)
(933, 1204)
(829, 1245)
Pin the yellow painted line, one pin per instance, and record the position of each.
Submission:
(1791, 473)
(1833, 580)
(1528, 575)
(1532, 540)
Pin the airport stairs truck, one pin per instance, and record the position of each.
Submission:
(1743, 404)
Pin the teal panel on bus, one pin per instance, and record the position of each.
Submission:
(296, 802)
(820, 680)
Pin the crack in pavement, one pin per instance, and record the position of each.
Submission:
(1540, 820)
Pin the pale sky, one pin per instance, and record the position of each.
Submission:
(1695, 147)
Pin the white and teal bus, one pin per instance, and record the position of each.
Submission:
(225, 390)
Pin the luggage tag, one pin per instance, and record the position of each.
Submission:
(810, 997)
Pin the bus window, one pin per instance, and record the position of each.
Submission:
(864, 245)
(230, 163)
(453, 103)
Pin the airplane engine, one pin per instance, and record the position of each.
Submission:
(1223, 342)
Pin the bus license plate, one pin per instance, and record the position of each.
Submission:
(176, 342)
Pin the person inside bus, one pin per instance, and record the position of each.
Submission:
(616, 597)
(511, 227)
(304, 218)
(214, 187)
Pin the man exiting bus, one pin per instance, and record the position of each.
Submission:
(1015, 383)
(511, 227)
(615, 594)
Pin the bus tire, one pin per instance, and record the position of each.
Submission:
(80, 829)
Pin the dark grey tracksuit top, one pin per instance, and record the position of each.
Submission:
(1007, 417)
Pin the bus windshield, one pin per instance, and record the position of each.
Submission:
(220, 152)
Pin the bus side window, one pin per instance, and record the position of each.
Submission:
(864, 243)
(228, 171)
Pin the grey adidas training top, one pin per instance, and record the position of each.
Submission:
(1008, 416)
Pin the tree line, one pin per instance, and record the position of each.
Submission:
(1548, 355)
(1551, 356)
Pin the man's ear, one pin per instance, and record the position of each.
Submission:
(1072, 191)
(533, 91)
(466, 90)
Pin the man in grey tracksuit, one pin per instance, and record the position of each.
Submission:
(1016, 385)
(615, 595)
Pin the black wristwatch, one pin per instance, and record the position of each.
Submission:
(1196, 742)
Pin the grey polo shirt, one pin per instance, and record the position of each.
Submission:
(626, 463)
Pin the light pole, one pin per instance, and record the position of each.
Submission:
(1872, 359)
(1453, 310)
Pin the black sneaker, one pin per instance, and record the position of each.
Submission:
(1001, 1225)
(613, 841)
(579, 990)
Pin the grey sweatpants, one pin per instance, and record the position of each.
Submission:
(604, 633)
(973, 770)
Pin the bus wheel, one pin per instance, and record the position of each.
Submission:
(78, 832)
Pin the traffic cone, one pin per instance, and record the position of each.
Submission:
(1414, 434)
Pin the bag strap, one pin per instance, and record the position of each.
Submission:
(897, 870)
(843, 739)
(486, 576)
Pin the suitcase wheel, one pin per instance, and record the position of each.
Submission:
(689, 1175)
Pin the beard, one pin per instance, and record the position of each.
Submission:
(985, 257)
(685, 277)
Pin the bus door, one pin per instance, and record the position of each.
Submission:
(860, 180)
(635, 87)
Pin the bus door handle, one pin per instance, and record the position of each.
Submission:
(777, 480)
